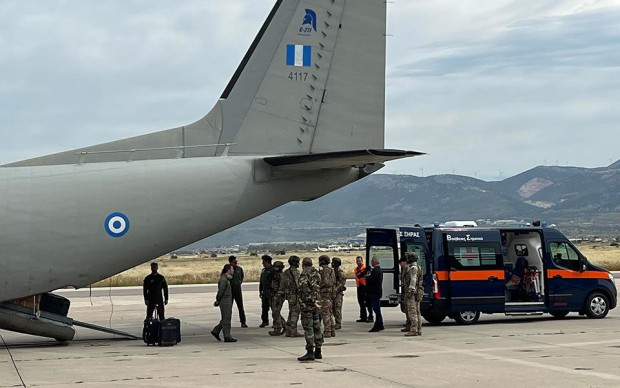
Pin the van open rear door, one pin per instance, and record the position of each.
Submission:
(414, 240)
(383, 244)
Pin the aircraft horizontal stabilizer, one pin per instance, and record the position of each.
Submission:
(357, 158)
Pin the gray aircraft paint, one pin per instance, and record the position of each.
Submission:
(53, 209)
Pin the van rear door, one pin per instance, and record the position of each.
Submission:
(475, 270)
(414, 240)
(383, 244)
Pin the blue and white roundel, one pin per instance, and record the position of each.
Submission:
(117, 224)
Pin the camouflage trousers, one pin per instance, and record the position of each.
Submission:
(327, 313)
(276, 312)
(403, 309)
(293, 314)
(413, 314)
(337, 309)
(311, 322)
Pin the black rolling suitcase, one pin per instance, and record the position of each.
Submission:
(151, 331)
(170, 332)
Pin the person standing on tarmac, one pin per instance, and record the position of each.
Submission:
(362, 296)
(405, 279)
(414, 291)
(237, 294)
(152, 289)
(224, 301)
(328, 281)
(375, 290)
(309, 287)
(277, 300)
(264, 289)
(339, 288)
(290, 283)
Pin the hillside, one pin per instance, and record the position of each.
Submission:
(578, 200)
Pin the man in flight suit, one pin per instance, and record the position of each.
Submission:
(152, 289)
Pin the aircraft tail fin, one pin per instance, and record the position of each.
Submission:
(313, 81)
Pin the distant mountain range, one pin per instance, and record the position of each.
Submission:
(580, 201)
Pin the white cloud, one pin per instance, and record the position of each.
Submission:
(482, 85)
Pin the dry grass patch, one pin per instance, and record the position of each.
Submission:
(201, 270)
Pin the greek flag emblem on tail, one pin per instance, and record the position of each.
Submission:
(298, 55)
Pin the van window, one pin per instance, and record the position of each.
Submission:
(384, 253)
(473, 257)
(563, 255)
(419, 250)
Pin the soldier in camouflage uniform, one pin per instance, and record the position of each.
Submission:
(290, 284)
(277, 300)
(328, 281)
(309, 286)
(404, 283)
(340, 286)
(414, 292)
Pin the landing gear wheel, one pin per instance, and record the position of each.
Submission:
(466, 317)
(597, 306)
(559, 314)
(434, 319)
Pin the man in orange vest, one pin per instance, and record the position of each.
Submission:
(362, 295)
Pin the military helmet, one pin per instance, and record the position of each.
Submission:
(278, 264)
(336, 262)
(307, 262)
(412, 257)
(323, 260)
(294, 261)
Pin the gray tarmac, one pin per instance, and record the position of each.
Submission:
(498, 351)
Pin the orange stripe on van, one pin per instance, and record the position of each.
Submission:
(469, 275)
(568, 274)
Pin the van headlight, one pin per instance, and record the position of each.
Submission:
(611, 277)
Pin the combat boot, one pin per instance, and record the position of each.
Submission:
(275, 332)
(309, 356)
(405, 329)
(333, 332)
(317, 354)
(327, 334)
(264, 324)
(338, 327)
(412, 334)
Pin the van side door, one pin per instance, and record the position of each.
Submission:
(383, 244)
(475, 270)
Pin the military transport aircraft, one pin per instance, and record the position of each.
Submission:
(303, 115)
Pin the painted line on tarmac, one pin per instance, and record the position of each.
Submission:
(474, 353)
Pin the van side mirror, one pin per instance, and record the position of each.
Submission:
(582, 264)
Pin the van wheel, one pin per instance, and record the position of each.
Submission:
(558, 314)
(434, 319)
(467, 317)
(597, 306)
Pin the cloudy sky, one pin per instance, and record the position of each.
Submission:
(488, 88)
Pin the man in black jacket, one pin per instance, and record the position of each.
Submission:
(375, 291)
(264, 289)
(152, 289)
(235, 283)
